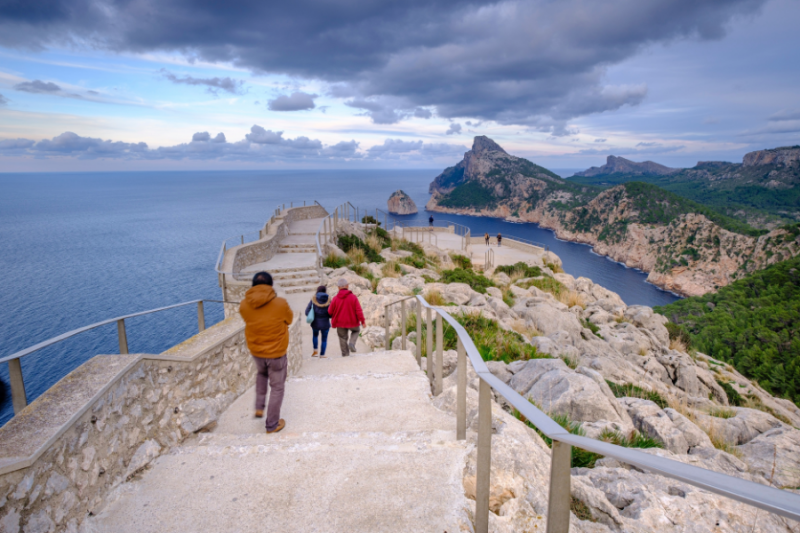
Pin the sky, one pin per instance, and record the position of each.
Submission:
(180, 85)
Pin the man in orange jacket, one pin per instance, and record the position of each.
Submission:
(346, 315)
(267, 319)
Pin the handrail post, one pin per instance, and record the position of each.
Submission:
(461, 393)
(123, 337)
(439, 353)
(201, 316)
(403, 324)
(386, 323)
(484, 459)
(560, 497)
(429, 346)
(18, 397)
(242, 239)
(419, 330)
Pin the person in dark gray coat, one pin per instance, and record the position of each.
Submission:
(322, 320)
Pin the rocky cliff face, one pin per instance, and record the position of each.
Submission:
(636, 224)
(616, 165)
(401, 204)
(777, 156)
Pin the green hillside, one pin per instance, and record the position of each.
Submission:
(746, 193)
(753, 324)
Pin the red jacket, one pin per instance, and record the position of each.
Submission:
(345, 310)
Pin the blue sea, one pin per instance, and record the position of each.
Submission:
(79, 248)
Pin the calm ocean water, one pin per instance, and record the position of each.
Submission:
(78, 248)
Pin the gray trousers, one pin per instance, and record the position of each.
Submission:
(271, 372)
(344, 344)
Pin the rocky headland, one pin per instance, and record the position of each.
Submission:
(616, 164)
(606, 370)
(683, 246)
(400, 203)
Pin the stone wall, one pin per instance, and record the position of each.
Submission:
(111, 417)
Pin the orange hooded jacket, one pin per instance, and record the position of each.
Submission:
(267, 319)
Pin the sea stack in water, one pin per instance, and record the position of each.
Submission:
(401, 204)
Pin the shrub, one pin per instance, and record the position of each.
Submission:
(391, 270)
(546, 284)
(519, 269)
(477, 282)
(634, 440)
(555, 268)
(580, 458)
(434, 297)
(461, 261)
(632, 391)
(493, 342)
(508, 298)
(414, 261)
(677, 333)
(348, 242)
(369, 219)
(593, 327)
(334, 261)
(734, 398)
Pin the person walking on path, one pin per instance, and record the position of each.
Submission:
(486, 238)
(499, 239)
(321, 324)
(267, 319)
(346, 316)
(430, 221)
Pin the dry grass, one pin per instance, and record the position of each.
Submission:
(374, 242)
(682, 406)
(722, 412)
(527, 331)
(555, 268)
(717, 439)
(571, 298)
(642, 352)
(357, 256)
(391, 269)
(434, 297)
(621, 319)
(677, 344)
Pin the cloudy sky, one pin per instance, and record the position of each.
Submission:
(175, 84)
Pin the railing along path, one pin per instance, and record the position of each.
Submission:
(19, 398)
(770, 499)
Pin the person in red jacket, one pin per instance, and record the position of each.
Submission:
(346, 316)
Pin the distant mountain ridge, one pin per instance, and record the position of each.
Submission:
(683, 245)
(616, 165)
(763, 190)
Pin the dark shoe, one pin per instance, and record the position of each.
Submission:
(259, 413)
(281, 425)
(352, 349)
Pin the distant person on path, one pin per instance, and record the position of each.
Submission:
(346, 316)
(267, 319)
(486, 238)
(322, 320)
(499, 240)
(430, 221)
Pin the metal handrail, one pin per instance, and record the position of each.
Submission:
(18, 396)
(764, 497)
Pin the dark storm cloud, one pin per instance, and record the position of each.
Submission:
(296, 101)
(454, 129)
(212, 85)
(533, 63)
(258, 145)
(38, 86)
(785, 114)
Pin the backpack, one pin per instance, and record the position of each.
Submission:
(310, 315)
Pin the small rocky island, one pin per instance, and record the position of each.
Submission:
(401, 204)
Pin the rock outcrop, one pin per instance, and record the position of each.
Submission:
(401, 204)
(636, 224)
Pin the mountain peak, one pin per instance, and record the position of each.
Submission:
(483, 144)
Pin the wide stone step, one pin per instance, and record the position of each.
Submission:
(303, 288)
(283, 270)
(307, 273)
(298, 282)
(296, 250)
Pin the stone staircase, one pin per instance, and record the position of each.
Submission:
(296, 279)
(364, 450)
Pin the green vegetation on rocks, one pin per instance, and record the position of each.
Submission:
(477, 282)
(492, 342)
(519, 269)
(753, 324)
(348, 242)
(632, 391)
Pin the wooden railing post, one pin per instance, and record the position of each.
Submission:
(560, 496)
(461, 393)
(18, 397)
(429, 346)
(484, 459)
(419, 331)
(439, 353)
(403, 324)
(123, 337)
(201, 316)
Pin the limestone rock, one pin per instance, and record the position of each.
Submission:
(401, 204)
(742, 428)
(775, 456)
(143, 455)
(651, 420)
(695, 437)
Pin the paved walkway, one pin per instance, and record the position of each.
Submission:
(363, 451)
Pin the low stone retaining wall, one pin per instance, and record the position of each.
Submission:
(112, 416)
(511, 243)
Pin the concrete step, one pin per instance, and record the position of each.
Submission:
(301, 233)
(303, 288)
(283, 270)
(298, 245)
(296, 250)
(307, 273)
(298, 282)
